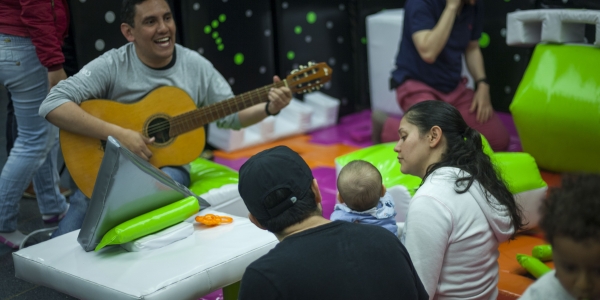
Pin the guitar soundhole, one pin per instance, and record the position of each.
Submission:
(159, 127)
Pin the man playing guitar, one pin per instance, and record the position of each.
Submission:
(150, 60)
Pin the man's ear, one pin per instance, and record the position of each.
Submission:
(435, 136)
(315, 188)
(255, 221)
(383, 190)
(126, 31)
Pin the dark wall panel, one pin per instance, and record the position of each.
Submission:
(96, 27)
(504, 65)
(316, 30)
(235, 35)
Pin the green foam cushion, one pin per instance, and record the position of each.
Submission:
(556, 108)
(518, 169)
(385, 159)
(150, 222)
(206, 175)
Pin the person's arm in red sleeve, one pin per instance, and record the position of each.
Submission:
(39, 17)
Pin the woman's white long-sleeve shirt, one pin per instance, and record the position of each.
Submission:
(453, 238)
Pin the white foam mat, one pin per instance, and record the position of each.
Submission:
(529, 27)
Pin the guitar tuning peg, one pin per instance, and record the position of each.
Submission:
(302, 67)
(294, 71)
(310, 63)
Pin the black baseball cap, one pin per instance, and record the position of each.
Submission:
(272, 169)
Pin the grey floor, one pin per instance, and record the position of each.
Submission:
(29, 221)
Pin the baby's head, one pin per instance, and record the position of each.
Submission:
(571, 222)
(360, 185)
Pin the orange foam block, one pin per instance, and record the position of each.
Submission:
(315, 155)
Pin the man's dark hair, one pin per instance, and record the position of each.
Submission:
(359, 185)
(300, 211)
(128, 11)
(573, 210)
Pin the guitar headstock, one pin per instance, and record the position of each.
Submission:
(309, 78)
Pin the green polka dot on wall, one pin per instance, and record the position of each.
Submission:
(214, 24)
(484, 40)
(311, 17)
(222, 18)
(298, 30)
(363, 40)
(207, 29)
(215, 35)
(291, 55)
(218, 41)
(221, 47)
(238, 58)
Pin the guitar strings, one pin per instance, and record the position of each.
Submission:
(211, 109)
(215, 108)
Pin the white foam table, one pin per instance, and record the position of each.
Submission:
(209, 259)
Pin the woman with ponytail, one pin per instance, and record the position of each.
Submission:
(462, 210)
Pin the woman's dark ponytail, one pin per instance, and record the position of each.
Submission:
(464, 151)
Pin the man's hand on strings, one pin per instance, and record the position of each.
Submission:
(136, 143)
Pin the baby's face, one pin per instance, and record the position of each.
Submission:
(578, 266)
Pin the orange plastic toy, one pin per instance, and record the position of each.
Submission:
(213, 220)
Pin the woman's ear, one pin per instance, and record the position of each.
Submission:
(435, 136)
(383, 190)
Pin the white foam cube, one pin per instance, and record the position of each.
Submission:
(326, 109)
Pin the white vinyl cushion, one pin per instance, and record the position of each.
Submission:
(529, 27)
(209, 259)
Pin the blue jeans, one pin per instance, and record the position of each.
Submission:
(79, 202)
(33, 155)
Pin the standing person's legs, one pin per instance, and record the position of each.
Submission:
(11, 125)
(27, 81)
(493, 130)
(73, 220)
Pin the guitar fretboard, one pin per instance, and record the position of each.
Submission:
(197, 118)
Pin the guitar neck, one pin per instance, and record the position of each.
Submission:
(197, 118)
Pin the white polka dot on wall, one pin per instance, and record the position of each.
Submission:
(308, 39)
(295, 66)
(342, 6)
(340, 40)
(284, 5)
(224, 1)
(344, 101)
(517, 57)
(327, 85)
(503, 32)
(82, 1)
(109, 16)
(507, 89)
(196, 6)
(267, 32)
(201, 50)
(329, 24)
(262, 70)
(249, 13)
(345, 67)
(231, 80)
(99, 44)
(331, 61)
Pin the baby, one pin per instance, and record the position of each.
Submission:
(363, 198)
(571, 222)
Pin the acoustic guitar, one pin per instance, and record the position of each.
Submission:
(177, 125)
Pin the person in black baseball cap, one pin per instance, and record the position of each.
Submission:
(280, 192)
(316, 258)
